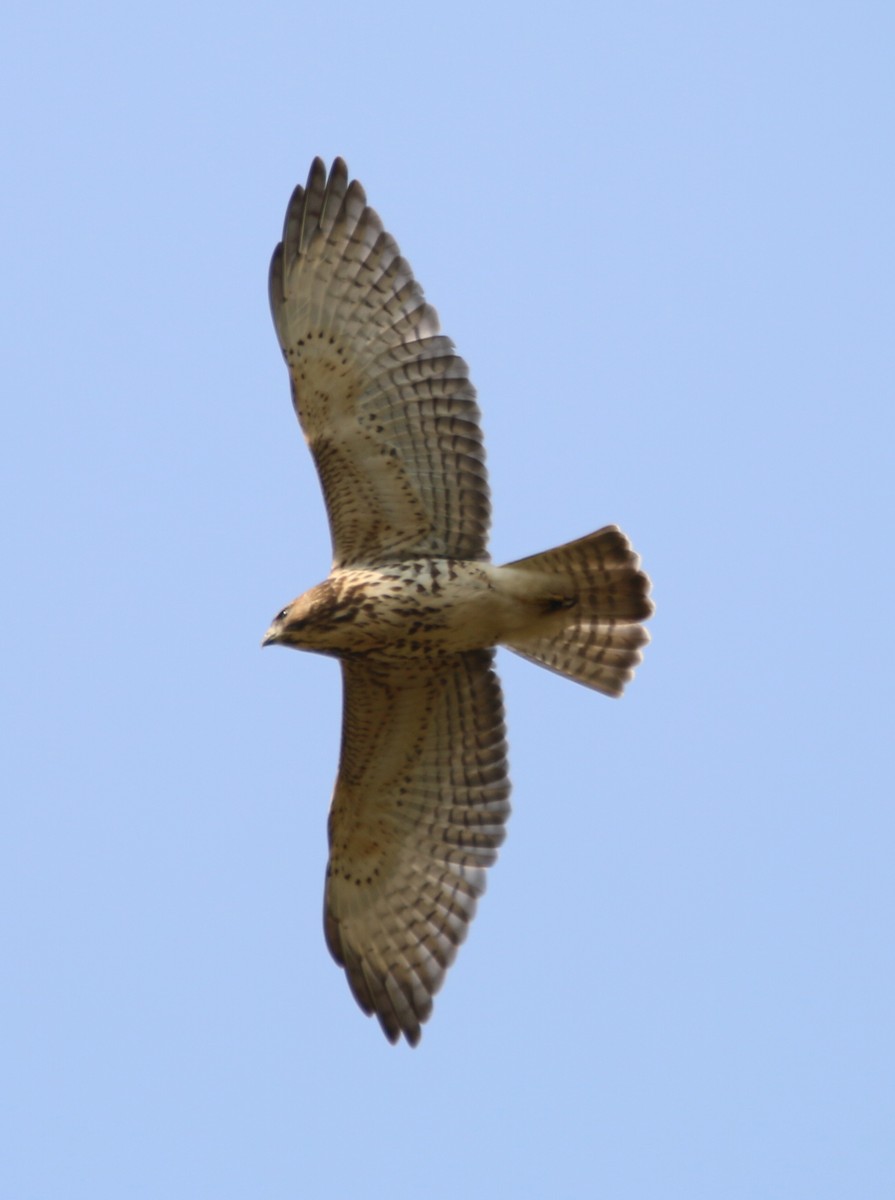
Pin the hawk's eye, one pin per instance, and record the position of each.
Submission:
(283, 615)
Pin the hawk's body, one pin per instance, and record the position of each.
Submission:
(413, 607)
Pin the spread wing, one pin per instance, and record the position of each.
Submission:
(385, 404)
(418, 813)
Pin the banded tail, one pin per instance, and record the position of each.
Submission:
(594, 598)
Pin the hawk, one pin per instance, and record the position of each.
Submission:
(413, 608)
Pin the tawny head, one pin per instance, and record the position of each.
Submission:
(305, 623)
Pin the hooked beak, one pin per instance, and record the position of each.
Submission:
(270, 638)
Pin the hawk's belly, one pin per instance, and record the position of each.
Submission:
(414, 609)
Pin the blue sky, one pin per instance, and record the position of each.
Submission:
(662, 237)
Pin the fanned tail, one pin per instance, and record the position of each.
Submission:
(594, 598)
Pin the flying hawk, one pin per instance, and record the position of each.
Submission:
(413, 607)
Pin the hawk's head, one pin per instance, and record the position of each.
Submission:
(316, 620)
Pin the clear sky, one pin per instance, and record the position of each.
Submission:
(662, 236)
